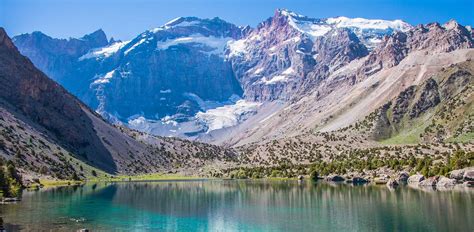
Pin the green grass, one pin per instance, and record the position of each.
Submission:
(144, 177)
(54, 183)
(464, 138)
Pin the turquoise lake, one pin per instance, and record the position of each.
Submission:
(226, 205)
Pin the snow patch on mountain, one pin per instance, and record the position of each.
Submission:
(369, 31)
(275, 79)
(236, 47)
(378, 24)
(104, 79)
(217, 44)
(104, 52)
(141, 41)
(288, 71)
(227, 115)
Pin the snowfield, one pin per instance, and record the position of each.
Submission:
(227, 115)
(217, 43)
(105, 51)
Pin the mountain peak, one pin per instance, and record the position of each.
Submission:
(96, 35)
(288, 13)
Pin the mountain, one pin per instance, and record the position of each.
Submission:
(274, 60)
(47, 131)
(209, 80)
(56, 56)
(350, 93)
(164, 75)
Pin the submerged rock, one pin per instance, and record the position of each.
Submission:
(392, 183)
(335, 178)
(359, 180)
(381, 180)
(416, 179)
(469, 183)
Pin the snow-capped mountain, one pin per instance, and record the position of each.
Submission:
(195, 77)
(273, 61)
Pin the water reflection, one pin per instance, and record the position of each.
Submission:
(242, 205)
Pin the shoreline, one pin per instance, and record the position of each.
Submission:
(417, 181)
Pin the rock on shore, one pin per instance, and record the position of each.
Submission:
(416, 179)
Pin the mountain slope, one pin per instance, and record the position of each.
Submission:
(439, 109)
(348, 94)
(47, 131)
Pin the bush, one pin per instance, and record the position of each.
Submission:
(314, 176)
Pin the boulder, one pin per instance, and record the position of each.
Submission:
(300, 177)
(469, 175)
(415, 179)
(457, 174)
(334, 178)
(445, 182)
(392, 183)
(381, 180)
(469, 183)
(359, 180)
(403, 177)
(431, 181)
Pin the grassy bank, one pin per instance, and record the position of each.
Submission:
(144, 177)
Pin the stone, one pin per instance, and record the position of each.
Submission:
(469, 183)
(445, 182)
(359, 180)
(392, 183)
(300, 177)
(457, 174)
(334, 178)
(416, 179)
(431, 181)
(403, 177)
(469, 175)
(381, 180)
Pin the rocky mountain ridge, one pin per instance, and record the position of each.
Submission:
(209, 80)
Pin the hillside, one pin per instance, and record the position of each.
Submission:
(46, 131)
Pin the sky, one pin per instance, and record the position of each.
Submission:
(124, 19)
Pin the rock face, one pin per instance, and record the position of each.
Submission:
(416, 179)
(57, 57)
(289, 51)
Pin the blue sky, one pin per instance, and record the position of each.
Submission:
(125, 19)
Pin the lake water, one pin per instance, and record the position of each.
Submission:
(221, 205)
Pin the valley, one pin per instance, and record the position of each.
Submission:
(204, 98)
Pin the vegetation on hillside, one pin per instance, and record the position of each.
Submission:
(10, 180)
